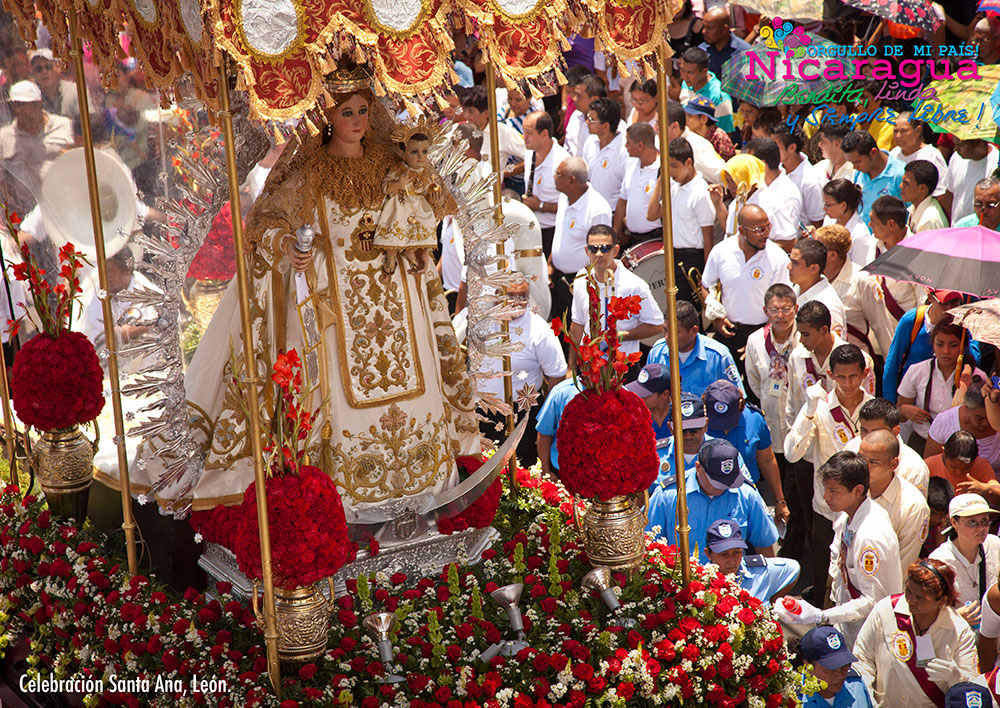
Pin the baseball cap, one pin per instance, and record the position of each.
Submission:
(968, 695)
(969, 505)
(654, 378)
(721, 463)
(724, 535)
(43, 53)
(722, 403)
(25, 92)
(701, 106)
(827, 647)
(692, 412)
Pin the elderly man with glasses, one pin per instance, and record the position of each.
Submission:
(737, 274)
(986, 204)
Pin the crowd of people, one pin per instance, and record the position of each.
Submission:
(839, 430)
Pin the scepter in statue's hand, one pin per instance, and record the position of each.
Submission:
(300, 251)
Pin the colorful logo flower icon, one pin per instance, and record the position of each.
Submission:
(782, 35)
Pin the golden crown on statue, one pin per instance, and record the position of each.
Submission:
(348, 78)
(422, 126)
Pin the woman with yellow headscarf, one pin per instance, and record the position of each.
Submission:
(741, 177)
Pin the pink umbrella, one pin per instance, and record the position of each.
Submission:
(963, 259)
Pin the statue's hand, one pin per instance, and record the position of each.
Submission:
(300, 261)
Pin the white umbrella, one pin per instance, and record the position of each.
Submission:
(786, 9)
(982, 319)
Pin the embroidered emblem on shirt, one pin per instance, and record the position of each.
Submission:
(732, 374)
(757, 273)
(902, 646)
(869, 561)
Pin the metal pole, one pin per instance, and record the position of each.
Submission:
(250, 377)
(128, 522)
(508, 385)
(668, 258)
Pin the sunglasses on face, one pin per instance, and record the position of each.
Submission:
(600, 249)
(985, 205)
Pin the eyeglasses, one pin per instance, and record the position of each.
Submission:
(756, 230)
(780, 310)
(985, 205)
(981, 524)
(604, 248)
(594, 120)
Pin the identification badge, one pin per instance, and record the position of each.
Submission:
(776, 388)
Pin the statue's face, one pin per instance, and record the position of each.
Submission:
(350, 119)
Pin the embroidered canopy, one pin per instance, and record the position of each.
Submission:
(284, 48)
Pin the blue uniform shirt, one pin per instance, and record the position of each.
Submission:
(708, 362)
(743, 505)
(853, 694)
(750, 435)
(763, 577)
(885, 183)
(551, 413)
(668, 473)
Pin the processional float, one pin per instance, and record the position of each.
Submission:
(275, 54)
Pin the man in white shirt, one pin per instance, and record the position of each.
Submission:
(920, 178)
(802, 174)
(539, 360)
(587, 89)
(848, 282)
(603, 249)
(604, 150)
(834, 163)
(641, 172)
(972, 161)
(122, 278)
(905, 504)
(778, 197)
(706, 160)
(908, 134)
(580, 207)
(887, 300)
(692, 215)
(864, 553)
(880, 414)
(545, 154)
(476, 110)
(767, 355)
(805, 269)
(737, 273)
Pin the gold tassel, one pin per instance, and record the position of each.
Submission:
(378, 87)
(442, 104)
(560, 77)
(311, 127)
(279, 137)
(328, 99)
(647, 68)
(326, 63)
(325, 454)
(535, 93)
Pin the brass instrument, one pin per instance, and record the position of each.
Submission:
(693, 276)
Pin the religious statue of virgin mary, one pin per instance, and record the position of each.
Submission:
(396, 405)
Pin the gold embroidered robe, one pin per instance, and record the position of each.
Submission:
(397, 402)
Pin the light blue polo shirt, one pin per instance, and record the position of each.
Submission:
(551, 412)
(743, 505)
(707, 363)
(886, 183)
(668, 473)
(749, 436)
(763, 577)
(853, 694)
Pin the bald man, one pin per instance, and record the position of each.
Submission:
(720, 42)
(742, 268)
(905, 504)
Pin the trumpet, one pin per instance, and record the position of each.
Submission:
(693, 276)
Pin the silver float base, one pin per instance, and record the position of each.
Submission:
(418, 558)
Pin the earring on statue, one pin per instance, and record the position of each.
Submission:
(327, 132)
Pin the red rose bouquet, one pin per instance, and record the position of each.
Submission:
(57, 378)
(606, 443)
(305, 513)
(480, 513)
(216, 259)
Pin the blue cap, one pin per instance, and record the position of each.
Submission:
(827, 647)
(721, 463)
(724, 535)
(968, 695)
(722, 403)
(654, 378)
(700, 105)
(692, 412)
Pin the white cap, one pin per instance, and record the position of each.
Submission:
(969, 505)
(25, 92)
(44, 53)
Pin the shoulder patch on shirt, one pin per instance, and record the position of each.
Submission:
(755, 561)
(923, 530)
(869, 561)
(732, 373)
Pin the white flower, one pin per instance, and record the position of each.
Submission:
(198, 538)
(142, 499)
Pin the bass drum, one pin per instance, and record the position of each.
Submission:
(646, 260)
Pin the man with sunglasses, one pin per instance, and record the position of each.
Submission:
(743, 268)
(986, 204)
(59, 96)
(603, 249)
